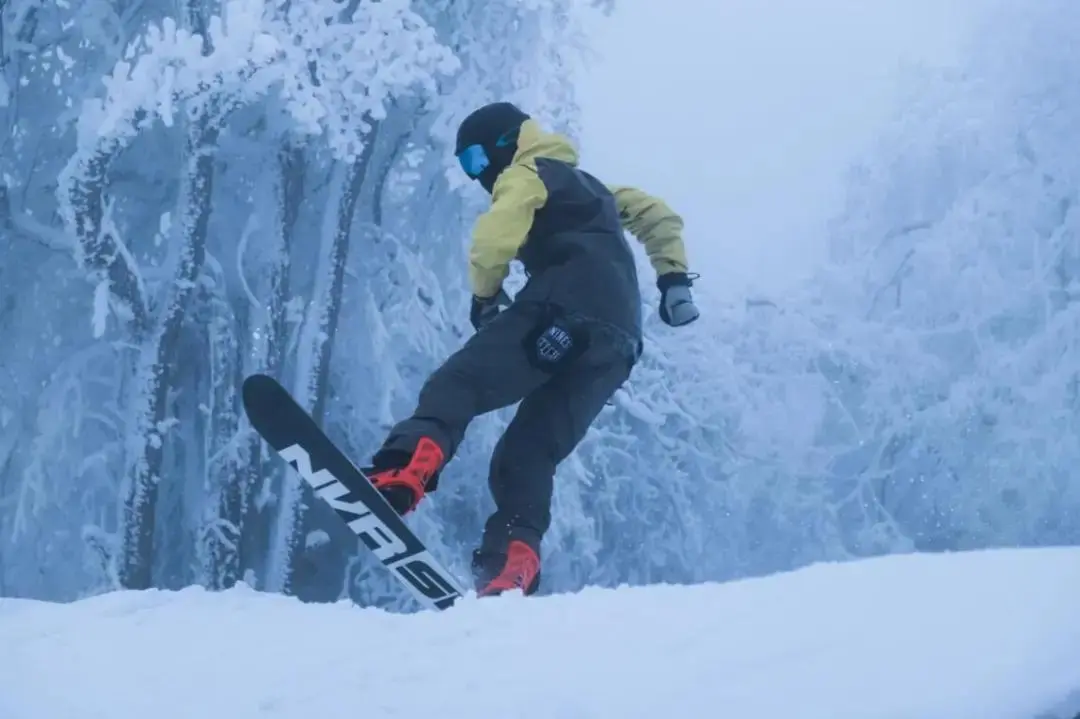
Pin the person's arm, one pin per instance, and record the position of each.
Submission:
(655, 225)
(501, 231)
(659, 229)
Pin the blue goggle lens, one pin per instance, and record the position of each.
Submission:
(473, 160)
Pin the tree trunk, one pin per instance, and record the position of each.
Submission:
(339, 255)
(291, 196)
(99, 250)
(316, 343)
(158, 361)
(224, 487)
(270, 357)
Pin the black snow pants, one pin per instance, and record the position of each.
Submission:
(563, 370)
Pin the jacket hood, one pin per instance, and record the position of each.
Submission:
(533, 142)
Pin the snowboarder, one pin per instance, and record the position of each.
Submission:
(562, 347)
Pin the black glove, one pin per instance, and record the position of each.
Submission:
(677, 306)
(485, 309)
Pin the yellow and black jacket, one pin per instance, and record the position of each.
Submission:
(566, 228)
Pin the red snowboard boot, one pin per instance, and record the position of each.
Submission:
(519, 568)
(404, 479)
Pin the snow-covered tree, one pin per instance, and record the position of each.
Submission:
(244, 185)
(195, 191)
(199, 73)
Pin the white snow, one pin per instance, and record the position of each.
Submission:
(100, 317)
(982, 635)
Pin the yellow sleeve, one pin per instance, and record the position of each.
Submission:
(655, 225)
(501, 231)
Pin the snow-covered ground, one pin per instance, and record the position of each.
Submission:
(986, 635)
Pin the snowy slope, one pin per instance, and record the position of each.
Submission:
(983, 635)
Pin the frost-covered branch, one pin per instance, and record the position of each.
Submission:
(165, 70)
(333, 78)
(348, 71)
(65, 412)
(32, 228)
(164, 67)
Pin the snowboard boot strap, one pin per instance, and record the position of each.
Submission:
(520, 570)
(404, 486)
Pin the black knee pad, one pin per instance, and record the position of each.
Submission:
(555, 343)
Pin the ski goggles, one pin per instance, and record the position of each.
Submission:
(474, 158)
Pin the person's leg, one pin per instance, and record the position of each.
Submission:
(548, 425)
(489, 372)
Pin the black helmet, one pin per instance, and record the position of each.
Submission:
(487, 141)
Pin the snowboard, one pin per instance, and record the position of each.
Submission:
(298, 440)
